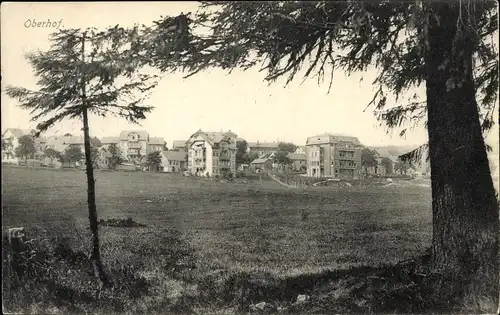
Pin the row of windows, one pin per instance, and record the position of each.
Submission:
(346, 154)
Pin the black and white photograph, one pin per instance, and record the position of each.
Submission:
(250, 157)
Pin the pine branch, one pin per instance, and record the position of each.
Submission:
(321, 36)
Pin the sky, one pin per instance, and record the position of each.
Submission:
(212, 100)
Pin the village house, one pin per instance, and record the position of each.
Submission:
(330, 155)
(10, 139)
(263, 147)
(382, 169)
(173, 161)
(262, 164)
(299, 161)
(212, 153)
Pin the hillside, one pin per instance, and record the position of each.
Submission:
(393, 150)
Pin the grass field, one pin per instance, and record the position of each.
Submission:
(252, 228)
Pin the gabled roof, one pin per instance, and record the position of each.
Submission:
(214, 137)
(393, 158)
(59, 143)
(65, 140)
(175, 155)
(156, 140)
(263, 145)
(143, 135)
(73, 140)
(382, 152)
(19, 132)
(110, 140)
(260, 161)
(179, 143)
(332, 138)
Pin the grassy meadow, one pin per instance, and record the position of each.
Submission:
(213, 246)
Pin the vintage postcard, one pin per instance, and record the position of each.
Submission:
(233, 157)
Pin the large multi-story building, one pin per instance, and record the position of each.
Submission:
(330, 155)
(134, 144)
(212, 153)
(263, 148)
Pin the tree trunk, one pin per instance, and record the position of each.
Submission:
(465, 209)
(94, 228)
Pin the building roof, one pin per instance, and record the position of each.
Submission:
(143, 135)
(331, 138)
(297, 156)
(110, 140)
(19, 132)
(175, 155)
(393, 158)
(65, 139)
(179, 143)
(73, 140)
(383, 153)
(263, 145)
(156, 140)
(60, 143)
(260, 161)
(214, 137)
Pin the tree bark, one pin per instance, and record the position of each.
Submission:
(94, 228)
(465, 209)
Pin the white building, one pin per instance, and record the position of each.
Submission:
(212, 153)
(10, 139)
(173, 161)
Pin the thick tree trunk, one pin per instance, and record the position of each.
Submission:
(465, 210)
(94, 228)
